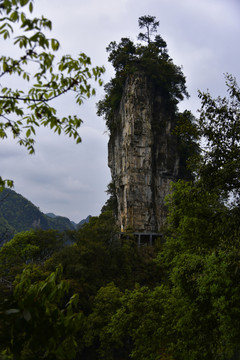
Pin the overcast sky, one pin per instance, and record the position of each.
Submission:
(202, 36)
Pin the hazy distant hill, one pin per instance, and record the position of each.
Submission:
(82, 222)
(75, 225)
(19, 214)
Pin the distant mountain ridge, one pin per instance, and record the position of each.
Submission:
(19, 214)
(53, 216)
(76, 226)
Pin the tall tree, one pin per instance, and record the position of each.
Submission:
(151, 26)
(219, 125)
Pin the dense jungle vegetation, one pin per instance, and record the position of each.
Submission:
(105, 298)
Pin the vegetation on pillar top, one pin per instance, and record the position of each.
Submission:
(149, 56)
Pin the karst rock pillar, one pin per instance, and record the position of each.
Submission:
(142, 155)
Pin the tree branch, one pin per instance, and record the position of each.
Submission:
(38, 100)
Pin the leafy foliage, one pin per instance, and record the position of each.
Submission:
(201, 255)
(188, 138)
(41, 76)
(135, 324)
(29, 247)
(38, 321)
(219, 124)
(98, 256)
(111, 203)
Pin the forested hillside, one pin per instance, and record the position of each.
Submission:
(19, 214)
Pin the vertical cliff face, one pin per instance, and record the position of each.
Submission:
(142, 155)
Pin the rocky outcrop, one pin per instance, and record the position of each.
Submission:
(142, 155)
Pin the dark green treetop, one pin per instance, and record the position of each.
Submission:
(150, 24)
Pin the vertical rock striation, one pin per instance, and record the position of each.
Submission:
(142, 155)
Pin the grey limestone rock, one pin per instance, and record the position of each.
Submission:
(142, 155)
